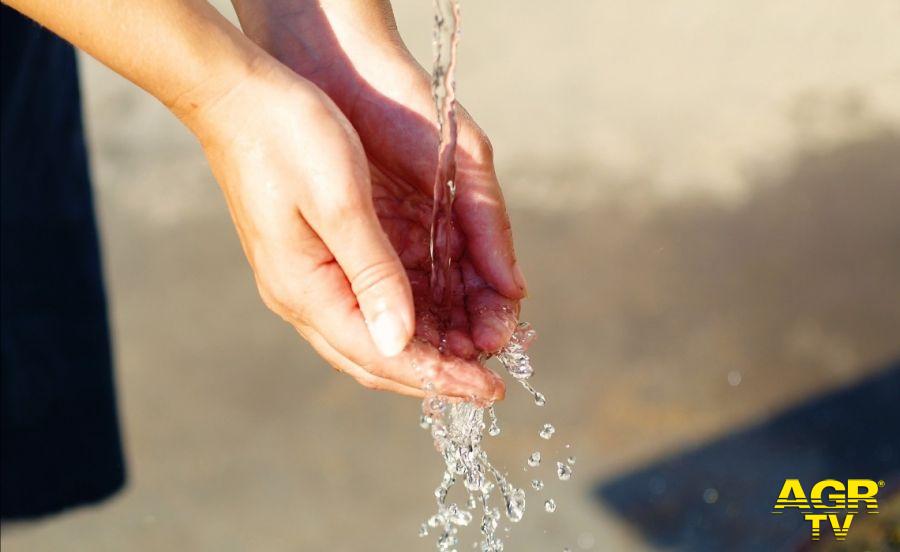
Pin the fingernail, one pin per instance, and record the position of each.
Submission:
(520, 278)
(388, 333)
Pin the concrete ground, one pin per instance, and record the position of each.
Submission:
(705, 200)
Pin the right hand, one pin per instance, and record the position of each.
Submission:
(297, 183)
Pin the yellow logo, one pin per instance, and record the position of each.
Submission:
(828, 500)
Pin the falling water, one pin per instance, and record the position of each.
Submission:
(443, 90)
(458, 427)
(458, 430)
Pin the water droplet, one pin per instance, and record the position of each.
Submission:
(547, 431)
(710, 496)
(550, 506)
(424, 421)
(571, 460)
(539, 398)
(535, 459)
(461, 517)
(488, 524)
(494, 430)
(446, 542)
(423, 530)
(563, 471)
(537, 484)
(471, 503)
(515, 505)
(734, 378)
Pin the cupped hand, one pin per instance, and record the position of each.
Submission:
(352, 51)
(297, 182)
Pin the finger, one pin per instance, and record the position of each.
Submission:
(421, 364)
(451, 336)
(482, 216)
(345, 365)
(330, 310)
(492, 316)
(338, 206)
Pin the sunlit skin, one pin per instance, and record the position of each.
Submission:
(352, 51)
(326, 162)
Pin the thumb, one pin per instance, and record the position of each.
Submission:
(344, 218)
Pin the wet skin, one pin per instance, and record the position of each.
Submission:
(352, 52)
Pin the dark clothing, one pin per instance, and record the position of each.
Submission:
(60, 437)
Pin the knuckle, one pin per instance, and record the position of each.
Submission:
(370, 381)
(484, 150)
(344, 205)
(282, 299)
(376, 276)
(374, 369)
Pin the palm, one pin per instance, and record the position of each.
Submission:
(386, 96)
(480, 318)
(401, 147)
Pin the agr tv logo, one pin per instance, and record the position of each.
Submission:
(828, 499)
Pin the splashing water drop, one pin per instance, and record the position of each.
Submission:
(571, 460)
(550, 506)
(563, 471)
(535, 459)
(488, 524)
(539, 398)
(537, 484)
(547, 431)
(447, 541)
(515, 505)
(514, 357)
(461, 517)
(494, 430)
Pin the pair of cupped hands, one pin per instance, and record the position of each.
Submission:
(327, 160)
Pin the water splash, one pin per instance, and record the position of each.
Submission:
(458, 431)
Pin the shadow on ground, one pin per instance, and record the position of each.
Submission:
(787, 294)
(719, 496)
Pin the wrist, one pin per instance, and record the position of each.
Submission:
(316, 36)
(214, 82)
(244, 107)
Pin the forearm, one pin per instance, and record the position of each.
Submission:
(183, 52)
(316, 22)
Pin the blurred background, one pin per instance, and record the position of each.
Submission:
(705, 197)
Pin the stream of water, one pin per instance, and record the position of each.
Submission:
(458, 428)
(443, 90)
